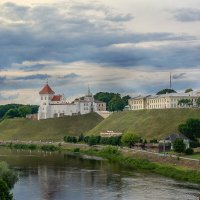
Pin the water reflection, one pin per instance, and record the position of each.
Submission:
(57, 176)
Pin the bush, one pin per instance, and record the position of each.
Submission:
(76, 150)
(129, 139)
(70, 139)
(179, 146)
(49, 148)
(5, 191)
(189, 151)
(110, 150)
(7, 175)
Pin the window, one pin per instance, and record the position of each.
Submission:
(41, 98)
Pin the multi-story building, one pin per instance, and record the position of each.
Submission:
(52, 106)
(170, 100)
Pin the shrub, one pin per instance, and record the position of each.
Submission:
(179, 146)
(189, 151)
(4, 191)
(129, 139)
(110, 150)
(7, 175)
(77, 150)
(49, 148)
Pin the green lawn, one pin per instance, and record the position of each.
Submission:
(195, 156)
(50, 129)
(148, 124)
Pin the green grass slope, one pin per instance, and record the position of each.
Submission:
(148, 124)
(46, 130)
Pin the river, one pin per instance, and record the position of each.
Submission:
(58, 176)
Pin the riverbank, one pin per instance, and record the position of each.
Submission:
(125, 157)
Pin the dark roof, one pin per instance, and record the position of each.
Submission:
(46, 90)
(172, 137)
(56, 98)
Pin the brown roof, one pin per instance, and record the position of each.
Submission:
(46, 90)
(56, 98)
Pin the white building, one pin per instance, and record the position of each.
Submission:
(53, 106)
(170, 100)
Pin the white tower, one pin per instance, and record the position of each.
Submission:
(46, 95)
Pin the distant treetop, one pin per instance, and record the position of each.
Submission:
(188, 90)
(166, 91)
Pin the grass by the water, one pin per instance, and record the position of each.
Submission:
(179, 173)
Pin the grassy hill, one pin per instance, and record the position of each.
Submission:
(50, 129)
(147, 123)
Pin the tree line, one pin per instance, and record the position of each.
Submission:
(114, 101)
(16, 110)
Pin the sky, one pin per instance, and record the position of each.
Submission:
(128, 46)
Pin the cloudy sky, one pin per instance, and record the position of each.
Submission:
(127, 46)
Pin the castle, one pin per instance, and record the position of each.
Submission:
(53, 106)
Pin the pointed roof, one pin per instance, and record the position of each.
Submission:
(46, 90)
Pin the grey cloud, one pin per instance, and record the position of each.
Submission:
(9, 97)
(179, 76)
(187, 14)
(52, 35)
(33, 77)
(119, 18)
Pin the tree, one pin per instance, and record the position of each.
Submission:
(116, 104)
(114, 101)
(179, 146)
(7, 175)
(188, 90)
(190, 129)
(165, 91)
(185, 102)
(129, 139)
(198, 102)
(125, 99)
(5, 191)
(24, 110)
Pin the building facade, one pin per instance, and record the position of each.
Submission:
(53, 106)
(164, 101)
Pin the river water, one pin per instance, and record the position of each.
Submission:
(58, 176)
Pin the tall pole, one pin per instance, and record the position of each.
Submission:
(170, 80)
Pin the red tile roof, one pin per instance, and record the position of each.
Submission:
(46, 90)
(56, 98)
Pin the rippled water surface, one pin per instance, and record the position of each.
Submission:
(57, 176)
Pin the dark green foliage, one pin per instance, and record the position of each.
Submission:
(129, 139)
(154, 141)
(189, 151)
(110, 150)
(165, 91)
(5, 191)
(185, 102)
(16, 110)
(23, 146)
(81, 138)
(70, 139)
(191, 129)
(194, 144)
(114, 101)
(198, 102)
(49, 148)
(188, 90)
(7, 175)
(115, 141)
(76, 150)
(179, 146)
(93, 140)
